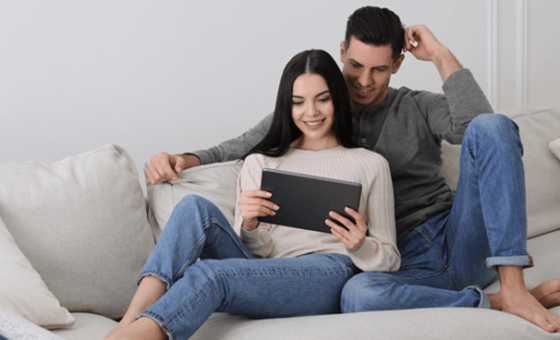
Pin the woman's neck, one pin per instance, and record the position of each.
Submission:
(308, 144)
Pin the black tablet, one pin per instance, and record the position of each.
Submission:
(305, 201)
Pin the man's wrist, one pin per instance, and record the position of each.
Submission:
(445, 62)
(191, 160)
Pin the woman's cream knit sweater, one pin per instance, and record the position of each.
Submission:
(379, 251)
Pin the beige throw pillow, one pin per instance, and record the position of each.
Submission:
(23, 291)
(215, 182)
(82, 224)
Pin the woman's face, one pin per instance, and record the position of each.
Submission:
(313, 113)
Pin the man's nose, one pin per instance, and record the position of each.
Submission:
(365, 79)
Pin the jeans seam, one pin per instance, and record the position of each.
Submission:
(227, 231)
(469, 155)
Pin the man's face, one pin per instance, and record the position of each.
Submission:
(367, 70)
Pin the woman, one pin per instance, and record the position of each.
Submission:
(298, 272)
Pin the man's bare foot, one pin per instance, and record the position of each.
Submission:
(526, 306)
(516, 299)
(548, 293)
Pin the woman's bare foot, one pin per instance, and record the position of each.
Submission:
(143, 328)
(115, 332)
(149, 291)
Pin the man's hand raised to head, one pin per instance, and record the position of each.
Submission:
(164, 167)
(428, 48)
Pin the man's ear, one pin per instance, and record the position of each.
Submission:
(342, 51)
(397, 63)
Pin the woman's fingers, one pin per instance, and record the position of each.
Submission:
(352, 234)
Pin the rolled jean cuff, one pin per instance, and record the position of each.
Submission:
(524, 261)
(484, 300)
(157, 275)
(160, 323)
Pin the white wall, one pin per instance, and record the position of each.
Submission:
(171, 75)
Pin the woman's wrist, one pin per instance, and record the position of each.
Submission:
(250, 225)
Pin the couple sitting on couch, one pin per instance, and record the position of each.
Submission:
(331, 118)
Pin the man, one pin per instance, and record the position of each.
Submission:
(451, 244)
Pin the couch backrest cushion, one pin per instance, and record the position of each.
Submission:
(537, 128)
(215, 182)
(81, 222)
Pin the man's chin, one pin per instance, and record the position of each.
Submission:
(359, 103)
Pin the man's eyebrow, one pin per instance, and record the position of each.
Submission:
(317, 95)
(355, 61)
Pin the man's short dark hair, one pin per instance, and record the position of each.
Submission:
(376, 26)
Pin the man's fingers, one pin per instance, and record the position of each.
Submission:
(180, 164)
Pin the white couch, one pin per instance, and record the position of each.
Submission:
(81, 225)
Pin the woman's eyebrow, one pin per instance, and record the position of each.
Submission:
(317, 95)
(322, 93)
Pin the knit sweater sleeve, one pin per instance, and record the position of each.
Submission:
(259, 242)
(379, 251)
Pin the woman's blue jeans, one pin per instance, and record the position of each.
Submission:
(446, 260)
(228, 278)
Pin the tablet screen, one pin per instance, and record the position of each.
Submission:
(305, 201)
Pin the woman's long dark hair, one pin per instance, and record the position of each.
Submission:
(283, 130)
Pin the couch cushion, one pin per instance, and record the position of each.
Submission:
(88, 327)
(215, 182)
(537, 128)
(22, 289)
(430, 323)
(82, 224)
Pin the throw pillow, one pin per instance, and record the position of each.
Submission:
(554, 146)
(82, 224)
(14, 327)
(23, 290)
(215, 182)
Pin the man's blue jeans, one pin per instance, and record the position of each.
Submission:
(228, 278)
(447, 259)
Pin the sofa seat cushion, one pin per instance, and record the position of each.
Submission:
(87, 327)
(434, 324)
(82, 224)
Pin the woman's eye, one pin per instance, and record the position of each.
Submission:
(324, 100)
(297, 103)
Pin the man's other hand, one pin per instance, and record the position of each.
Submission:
(165, 167)
(420, 41)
